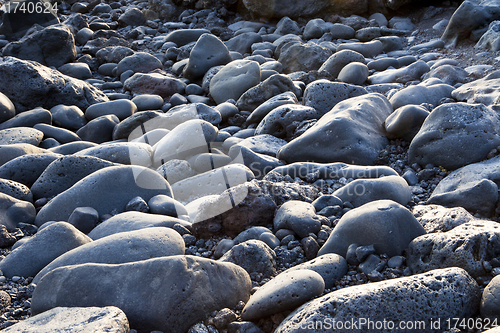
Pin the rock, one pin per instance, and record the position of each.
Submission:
(7, 109)
(28, 119)
(281, 121)
(262, 110)
(121, 152)
(209, 51)
(99, 130)
(190, 288)
(334, 64)
(368, 49)
(468, 17)
(476, 192)
(342, 31)
(354, 73)
(383, 63)
(121, 248)
(386, 224)
(165, 205)
(175, 170)
(20, 135)
(272, 86)
(314, 28)
(430, 91)
(263, 144)
(139, 62)
(323, 95)
(351, 137)
(175, 146)
(29, 85)
(28, 259)
(448, 74)
(489, 303)
(483, 91)
(466, 246)
(6, 240)
(51, 46)
(27, 168)
(130, 221)
(84, 219)
(118, 184)
(242, 43)
(259, 164)
(154, 83)
(77, 319)
(471, 133)
(15, 190)
(297, 216)
(361, 191)
(251, 208)
(214, 182)
(452, 292)
(285, 292)
(490, 39)
(287, 26)
(71, 147)
(148, 102)
(121, 108)
(131, 128)
(254, 256)
(69, 117)
(303, 57)
(132, 17)
(11, 151)
(330, 266)
(234, 79)
(402, 75)
(182, 37)
(280, 8)
(61, 135)
(435, 218)
(405, 122)
(79, 71)
(113, 54)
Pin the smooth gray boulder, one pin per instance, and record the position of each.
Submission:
(323, 95)
(154, 83)
(14, 211)
(303, 170)
(28, 119)
(298, 216)
(429, 91)
(139, 62)
(130, 221)
(387, 225)
(209, 51)
(122, 108)
(361, 191)
(352, 132)
(334, 64)
(456, 134)
(467, 246)
(64, 172)
(182, 37)
(474, 187)
(30, 84)
(16, 190)
(448, 74)
(37, 252)
(7, 108)
(405, 122)
(330, 266)
(243, 42)
(234, 79)
(115, 187)
(168, 293)
(135, 153)
(75, 319)
(405, 74)
(354, 73)
(121, 248)
(452, 293)
(368, 49)
(286, 291)
(489, 301)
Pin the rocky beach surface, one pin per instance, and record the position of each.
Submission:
(250, 166)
